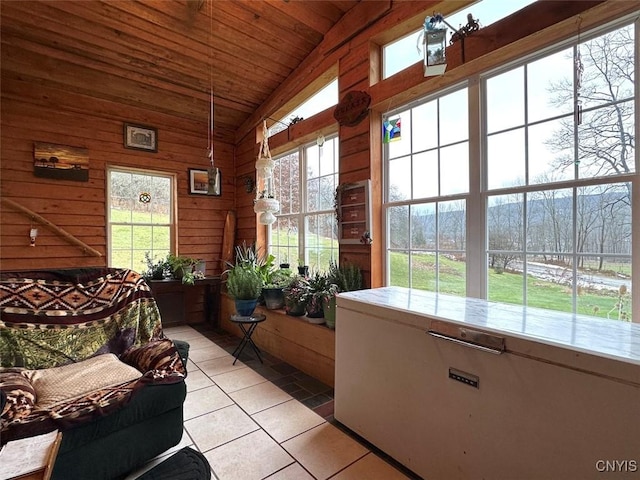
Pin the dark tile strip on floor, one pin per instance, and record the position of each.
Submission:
(311, 392)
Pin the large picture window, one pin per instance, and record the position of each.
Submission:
(549, 210)
(305, 232)
(427, 190)
(140, 217)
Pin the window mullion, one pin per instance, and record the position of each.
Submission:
(476, 241)
(635, 187)
(302, 227)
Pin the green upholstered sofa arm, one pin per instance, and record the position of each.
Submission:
(183, 351)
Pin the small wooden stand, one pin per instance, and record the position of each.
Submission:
(44, 473)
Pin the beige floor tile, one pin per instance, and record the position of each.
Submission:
(222, 364)
(324, 450)
(178, 328)
(370, 467)
(292, 472)
(191, 367)
(238, 379)
(216, 428)
(200, 342)
(287, 420)
(204, 401)
(209, 352)
(252, 457)
(182, 333)
(196, 380)
(258, 397)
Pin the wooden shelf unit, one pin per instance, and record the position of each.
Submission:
(354, 210)
(180, 304)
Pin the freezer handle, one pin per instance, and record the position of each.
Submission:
(495, 351)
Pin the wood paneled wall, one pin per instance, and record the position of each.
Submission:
(34, 113)
(246, 220)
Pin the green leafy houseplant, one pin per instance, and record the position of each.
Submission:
(179, 265)
(295, 296)
(319, 287)
(273, 290)
(344, 278)
(156, 269)
(251, 257)
(347, 277)
(244, 285)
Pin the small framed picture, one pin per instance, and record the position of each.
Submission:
(204, 182)
(139, 137)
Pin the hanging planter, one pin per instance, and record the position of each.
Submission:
(265, 166)
(265, 202)
(266, 205)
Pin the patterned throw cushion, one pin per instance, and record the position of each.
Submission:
(21, 396)
(60, 384)
(158, 357)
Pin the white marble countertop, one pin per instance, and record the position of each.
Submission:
(606, 338)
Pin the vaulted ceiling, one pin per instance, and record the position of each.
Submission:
(166, 55)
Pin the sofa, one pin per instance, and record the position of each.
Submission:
(83, 351)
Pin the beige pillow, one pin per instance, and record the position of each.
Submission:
(61, 384)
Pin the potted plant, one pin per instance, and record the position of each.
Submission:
(344, 278)
(273, 290)
(156, 269)
(318, 287)
(179, 265)
(244, 286)
(348, 276)
(329, 305)
(295, 296)
(303, 269)
(251, 257)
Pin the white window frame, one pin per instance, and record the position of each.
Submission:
(325, 97)
(303, 214)
(173, 206)
(434, 200)
(477, 237)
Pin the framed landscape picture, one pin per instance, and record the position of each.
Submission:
(139, 137)
(201, 183)
(60, 162)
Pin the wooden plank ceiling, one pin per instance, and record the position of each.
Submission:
(163, 55)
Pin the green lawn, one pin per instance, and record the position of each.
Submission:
(318, 250)
(505, 287)
(140, 239)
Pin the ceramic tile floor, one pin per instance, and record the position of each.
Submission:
(258, 421)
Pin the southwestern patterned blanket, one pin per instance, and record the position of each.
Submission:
(55, 318)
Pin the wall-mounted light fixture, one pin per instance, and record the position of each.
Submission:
(33, 234)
